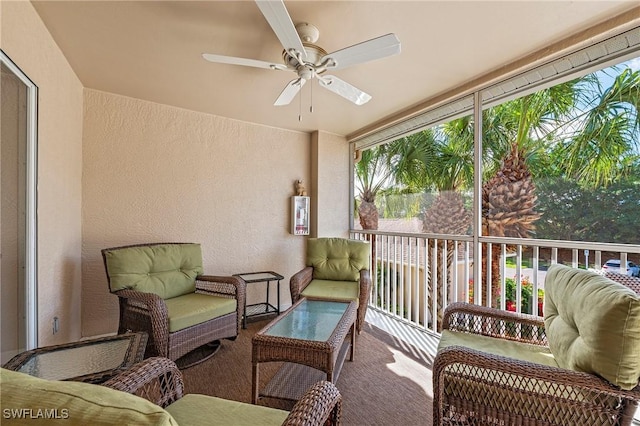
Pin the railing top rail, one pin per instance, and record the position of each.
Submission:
(586, 245)
(414, 235)
(529, 242)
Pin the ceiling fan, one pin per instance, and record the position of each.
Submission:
(308, 60)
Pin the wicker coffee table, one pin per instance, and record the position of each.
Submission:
(311, 339)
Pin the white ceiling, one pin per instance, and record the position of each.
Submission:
(152, 50)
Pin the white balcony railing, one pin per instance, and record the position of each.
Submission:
(415, 276)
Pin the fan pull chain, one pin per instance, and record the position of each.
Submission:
(300, 103)
(311, 106)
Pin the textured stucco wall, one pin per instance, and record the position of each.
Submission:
(25, 39)
(330, 177)
(155, 173)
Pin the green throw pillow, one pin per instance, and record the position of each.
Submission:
(27, 400)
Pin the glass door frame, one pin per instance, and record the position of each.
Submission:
(31, 237)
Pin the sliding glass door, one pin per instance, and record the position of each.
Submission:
(18, 96)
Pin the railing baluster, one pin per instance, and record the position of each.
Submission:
(466, 271)
(503, 278)
(402, 279)
(434, 286)
(623, 263)
(385, 276)
(535, 280)
(454, 273)
(425, 302)
(394, 278)
(518, 278)
(489, 273)
(445, 274)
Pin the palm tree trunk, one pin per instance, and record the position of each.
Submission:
(508, 210)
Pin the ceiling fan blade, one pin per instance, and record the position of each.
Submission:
(344, 89)
(290, 92)
(275, 12)
(242, 61)
(370, 50)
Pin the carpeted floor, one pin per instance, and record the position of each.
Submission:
(388, 383)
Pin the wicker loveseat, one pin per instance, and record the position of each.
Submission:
(162, 291)
(150, 393)
(580, 366)
(336, 269)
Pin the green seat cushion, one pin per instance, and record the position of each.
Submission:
(39, 401)
(517, 394)
(334, 290)
(195, 308)
(168, 270)
(194, 409)
(502, 347)
(337, 259)
(593, 324)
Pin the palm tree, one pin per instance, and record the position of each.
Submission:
(605, 125)
(597, 153)
(372, 174)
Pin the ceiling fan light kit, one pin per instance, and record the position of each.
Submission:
(308, 33)
(302, 56)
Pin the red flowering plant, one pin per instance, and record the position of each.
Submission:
(526, 296)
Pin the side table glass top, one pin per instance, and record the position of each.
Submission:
(310, 320)
(88, 359)
(78, 361)
(259, 276)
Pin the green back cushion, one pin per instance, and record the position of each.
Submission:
(29, 400)
(337, 259)
(593, 325)
(168, 270)
(194, 409)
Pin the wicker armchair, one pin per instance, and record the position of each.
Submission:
(336, 269)
(160, 381)
(162, 291)
(632, 282)
(500, 367)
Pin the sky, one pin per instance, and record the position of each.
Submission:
(634, 64)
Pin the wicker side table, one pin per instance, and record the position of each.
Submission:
(264, 308)
(92, 360)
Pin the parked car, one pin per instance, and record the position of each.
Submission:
(613, 265)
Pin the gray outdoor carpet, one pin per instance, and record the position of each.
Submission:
(388, 383)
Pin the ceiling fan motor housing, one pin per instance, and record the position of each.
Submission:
(314, 55)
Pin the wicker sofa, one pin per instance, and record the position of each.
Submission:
(336, 269)
(580, 366)
(162, 291)
(150, 393)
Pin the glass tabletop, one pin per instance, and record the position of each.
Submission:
(77, 361)
(310, 320)
(259, 276)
